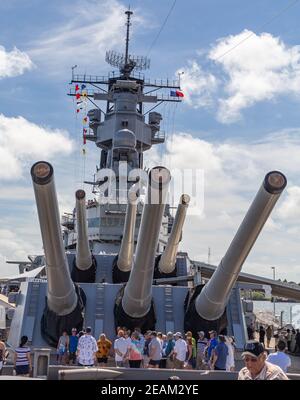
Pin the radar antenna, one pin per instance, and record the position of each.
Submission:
(126, 63)
(128, 23)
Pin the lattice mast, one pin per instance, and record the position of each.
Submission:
(127, 62)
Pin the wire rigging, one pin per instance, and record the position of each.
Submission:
(162, 27)
(259, 28)
(77, 158)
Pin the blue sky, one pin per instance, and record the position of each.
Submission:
(239, 118)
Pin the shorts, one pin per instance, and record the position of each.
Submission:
(135, 363)
(119, 363)
(154, 362)
(192, 362)
(22, 369)
(102, 360)
(219, 369)
(62, 351)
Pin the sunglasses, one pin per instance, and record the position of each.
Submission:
(248, 359)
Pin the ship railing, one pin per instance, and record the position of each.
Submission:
(167, 97)
(86, 92)
(160, 97)
(159, 137)
(83, 78)
(101, 79)
(91, 203)
(163, 83)
(98, 79)
(67, 220)
(136, 75)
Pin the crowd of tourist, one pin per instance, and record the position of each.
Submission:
(174, 351)
(150, 350)
(157, 350)
(291, 337)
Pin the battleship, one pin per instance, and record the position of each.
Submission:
(115, 260)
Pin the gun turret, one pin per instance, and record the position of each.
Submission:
(134, 306)
(123, 262)
(166, 263)
(84, 267)
(211, 302)
(65, 302)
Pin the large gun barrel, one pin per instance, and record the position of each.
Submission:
(211, 302)
(168, 259)
(84, 266)
(137, 298)
(62, 297)
(127, 246)
(83, 252)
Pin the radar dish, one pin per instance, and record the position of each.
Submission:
(119, 60)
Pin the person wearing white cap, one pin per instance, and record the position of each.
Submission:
(180, 350)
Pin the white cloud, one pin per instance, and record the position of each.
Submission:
(22, 142)
(254, 68)
(13, 63)
(290, 208)
(14, 246)
(260, 68)
(16, 193)
(198, 85)
(83, 35)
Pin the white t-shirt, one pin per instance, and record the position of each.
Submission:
(230, 356)
(128, 340)
(180, 349)
(281, 359)
(120, 344)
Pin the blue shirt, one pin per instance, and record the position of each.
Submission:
(169, 347)
(221, 350)
(212, 344)
(73, 342)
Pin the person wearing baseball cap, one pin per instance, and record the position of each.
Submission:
(256, 366)
(179, 351)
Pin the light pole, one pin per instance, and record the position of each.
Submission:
(74, 66)
(273, 268)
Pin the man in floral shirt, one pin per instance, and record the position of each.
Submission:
(86, 349)
(257, 368)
